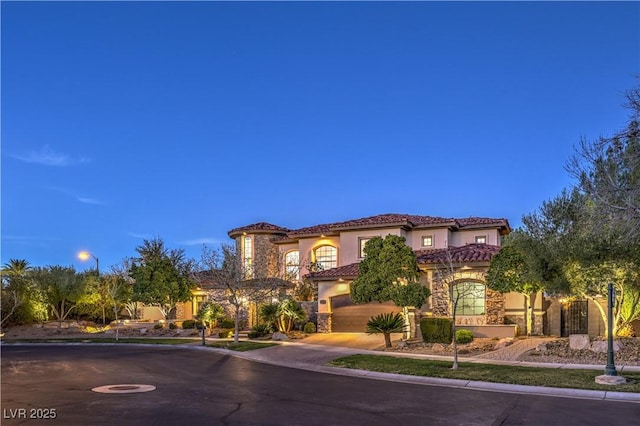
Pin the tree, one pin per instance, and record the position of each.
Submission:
(230, 275)
(162, 276)
(288, 313)
(389, 271)
(62, 289)
(576, 257)
(447, 274)
(608, 171)
(386, 324)
(209, 313)
(18, 295)
(509, 271)
(591, 281)
(269, 314)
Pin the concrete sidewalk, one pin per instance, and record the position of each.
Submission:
(314, 357)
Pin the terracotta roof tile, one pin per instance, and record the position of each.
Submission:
(347, 271)
(382, 220)
(481, 221)
(260, 226)
(387, 219)
(467, 253)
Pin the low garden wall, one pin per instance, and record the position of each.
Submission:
(497, 331)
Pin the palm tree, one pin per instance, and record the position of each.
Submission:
(386, 324)
(269, 314)
(15, 268)
(289, 311)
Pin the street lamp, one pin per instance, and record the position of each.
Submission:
(85, 255)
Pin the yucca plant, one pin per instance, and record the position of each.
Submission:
(386, 324)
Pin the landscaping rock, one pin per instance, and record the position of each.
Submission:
(438, 347)
(503, 343)
(279, 336)
(143, 331)
(602, 346)
(541, 347)
(401, 344)
(579, 341)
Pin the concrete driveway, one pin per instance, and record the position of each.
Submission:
(351, 340)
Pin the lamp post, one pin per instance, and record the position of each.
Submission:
(84, 255)
(610, 376)
(610, 369)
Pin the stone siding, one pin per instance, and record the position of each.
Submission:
(494, 307)
(324, 322)
(311, 308)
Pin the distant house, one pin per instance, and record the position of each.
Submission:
(329, 254)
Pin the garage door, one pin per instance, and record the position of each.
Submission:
(348, 317)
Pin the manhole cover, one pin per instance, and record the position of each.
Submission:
(124, 388)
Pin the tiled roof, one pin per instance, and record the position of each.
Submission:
(260, 226)
(382, 220)
(480, 221)
(347, 271)
(389, 219)
(463, 254)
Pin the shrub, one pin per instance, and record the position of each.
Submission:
(209, 313)
(187, 324)
(436, 330)
(172, 326)
(260, 330)
(385, 324)
(226, 323)
(158, 326)
(269, 314)
(309, 328)
(464, 336)
(225, 334)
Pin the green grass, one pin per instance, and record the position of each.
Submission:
(242, 346)
(550, 377)
(143, 340)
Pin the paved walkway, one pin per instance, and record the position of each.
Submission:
(513, 351)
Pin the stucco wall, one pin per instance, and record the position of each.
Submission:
(307, 245)
(328, 289)
(469, 237)
(349, 242)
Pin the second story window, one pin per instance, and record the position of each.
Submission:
(247, 257)
(292, 265)
(481, 239)
(427, 241)
(326, 257)
(361, 243)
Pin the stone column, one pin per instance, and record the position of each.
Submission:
(324, 322)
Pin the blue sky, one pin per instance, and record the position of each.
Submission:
(130, 120)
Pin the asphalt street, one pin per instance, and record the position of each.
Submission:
(197, 387)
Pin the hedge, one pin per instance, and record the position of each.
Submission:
(437, 330)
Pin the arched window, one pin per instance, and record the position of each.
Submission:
(292, 265)
(326, 257)
(247, 257)
(470, 298)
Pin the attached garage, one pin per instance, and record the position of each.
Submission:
(348, 317)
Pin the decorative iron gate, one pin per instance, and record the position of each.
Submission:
(574, 318)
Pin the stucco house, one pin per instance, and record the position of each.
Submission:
(329, 254)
